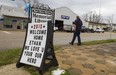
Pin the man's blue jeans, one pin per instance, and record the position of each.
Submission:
(76, 34)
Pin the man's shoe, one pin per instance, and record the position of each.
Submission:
(79, 44)
(70, 43)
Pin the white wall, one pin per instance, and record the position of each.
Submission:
(67, 12)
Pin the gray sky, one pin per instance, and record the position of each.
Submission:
(105, 7)
(108, 7)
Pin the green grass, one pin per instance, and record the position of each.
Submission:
(66, 73)
(9, 56)
(12, 55)
(98, 42)
(34, 71)
(57, 47)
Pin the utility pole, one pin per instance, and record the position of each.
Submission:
(100, 10)
(111, 24)
(110, 20)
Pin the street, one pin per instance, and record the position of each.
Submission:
(15, 39)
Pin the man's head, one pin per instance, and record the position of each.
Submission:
(77, 17)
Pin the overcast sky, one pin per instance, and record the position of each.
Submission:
(105, 7)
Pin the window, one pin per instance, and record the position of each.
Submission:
(7, 26)
(14, 20)
(7, 21)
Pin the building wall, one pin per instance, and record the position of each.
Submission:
(95, 25)
(1, 24)
(13, 23)
(66, 12)
(13, 18)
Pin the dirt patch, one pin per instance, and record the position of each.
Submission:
(12, 70)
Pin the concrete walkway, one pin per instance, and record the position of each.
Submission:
(79, 60)
(12, 70)
(88, 60)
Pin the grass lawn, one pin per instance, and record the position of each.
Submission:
(9, 56)
(98, 42)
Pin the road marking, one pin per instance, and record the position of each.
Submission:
(6, 32)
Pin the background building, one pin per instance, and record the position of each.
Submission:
(12, 18)
(64, 18)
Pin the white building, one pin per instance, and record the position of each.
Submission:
(64, 18)
(12, 18)
(104, 25)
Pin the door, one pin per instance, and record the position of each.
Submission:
(59, 24)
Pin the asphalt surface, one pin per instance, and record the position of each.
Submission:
(15, 39)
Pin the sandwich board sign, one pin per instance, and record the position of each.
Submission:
(38, 47)
(35, 44)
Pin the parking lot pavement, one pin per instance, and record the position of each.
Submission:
(63, 38)
(15, 39)
(88, 60)
(11, 39)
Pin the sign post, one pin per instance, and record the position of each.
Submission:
(38, 47)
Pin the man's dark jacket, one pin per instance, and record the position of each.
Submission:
(78, 24)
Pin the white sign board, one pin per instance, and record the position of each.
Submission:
(40, 18)
(35, 44)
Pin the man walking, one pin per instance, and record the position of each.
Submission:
(77, 31)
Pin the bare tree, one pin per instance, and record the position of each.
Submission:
(92, 16)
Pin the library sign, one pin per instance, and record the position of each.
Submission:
(35, 44)
(41, 15)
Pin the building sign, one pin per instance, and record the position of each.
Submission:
(65, 17)
(41, 16)
(35, 44)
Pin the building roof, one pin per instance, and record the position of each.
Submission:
(12, 11)
(66, 8)
(69, 10)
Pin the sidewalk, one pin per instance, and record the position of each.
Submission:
(12, 70)
(88, 60)
(79, 60)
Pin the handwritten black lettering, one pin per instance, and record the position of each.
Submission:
(36, 37)
(34, 42)
(26, 47)
(31, 60)
(36, 49)
(38, 55)
(27, 53)
(37, 31)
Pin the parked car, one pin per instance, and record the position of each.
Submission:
(98, 30)
(84, 29)
(91, 31)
